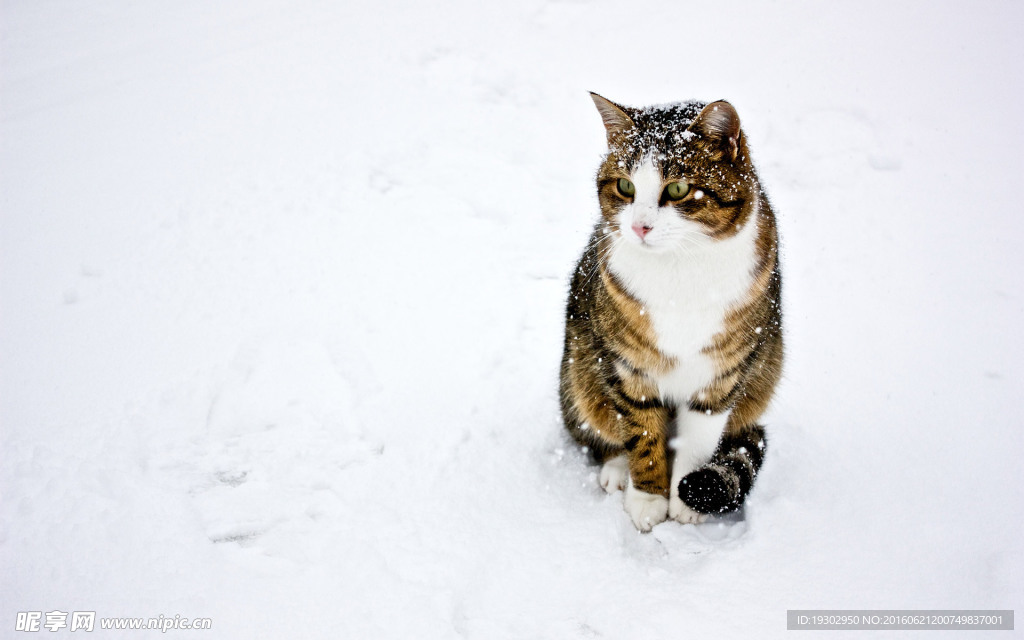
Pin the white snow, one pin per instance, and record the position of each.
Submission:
(281, 293)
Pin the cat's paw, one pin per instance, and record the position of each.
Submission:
(680, 512)
(645, 509)
(614, 474)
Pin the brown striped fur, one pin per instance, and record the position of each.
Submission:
(610, 399)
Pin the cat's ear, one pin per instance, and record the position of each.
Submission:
(616, 120)
(719, 123)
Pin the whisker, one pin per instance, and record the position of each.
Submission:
(602, 252)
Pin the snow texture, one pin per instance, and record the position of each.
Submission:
(281, 292)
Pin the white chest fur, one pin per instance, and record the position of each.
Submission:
(686, 292)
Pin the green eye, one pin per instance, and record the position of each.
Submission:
(677, 190)
(626, 188)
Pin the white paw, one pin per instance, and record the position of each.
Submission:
(677, 510)
(614, 473)
(645, 509)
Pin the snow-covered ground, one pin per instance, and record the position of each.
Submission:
(281, 287)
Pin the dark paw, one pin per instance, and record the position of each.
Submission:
(705, 491)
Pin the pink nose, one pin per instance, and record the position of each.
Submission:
(641, 230)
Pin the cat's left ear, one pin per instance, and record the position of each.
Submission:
(616, 120)
(719, 122)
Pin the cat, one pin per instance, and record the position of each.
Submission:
(673, 340)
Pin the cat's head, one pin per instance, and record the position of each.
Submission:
(675, 174)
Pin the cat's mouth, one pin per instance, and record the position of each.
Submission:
(643, 240)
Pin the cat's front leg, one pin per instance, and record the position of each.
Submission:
(646, 499)
(698, 435)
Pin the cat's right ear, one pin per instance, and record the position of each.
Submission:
(616, 120)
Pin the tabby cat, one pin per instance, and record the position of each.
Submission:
(673, 340)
